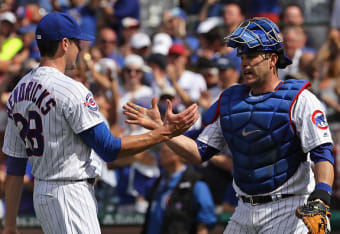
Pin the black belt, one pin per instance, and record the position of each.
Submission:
(88, 180)
(258, 200)
(91, 180)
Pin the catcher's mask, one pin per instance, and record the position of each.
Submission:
(258, 34)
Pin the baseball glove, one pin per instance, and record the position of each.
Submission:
(316, 215)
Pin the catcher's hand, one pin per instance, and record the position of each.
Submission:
(316, 215)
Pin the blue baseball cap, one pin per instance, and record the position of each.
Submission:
(27, 29)
(56, 26)
(224, 63)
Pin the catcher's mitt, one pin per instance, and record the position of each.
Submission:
(316, 215)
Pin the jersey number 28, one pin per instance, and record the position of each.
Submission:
(31, 132)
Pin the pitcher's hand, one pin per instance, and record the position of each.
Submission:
(147, 118)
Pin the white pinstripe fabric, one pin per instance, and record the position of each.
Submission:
(66, 207)
(272, 218)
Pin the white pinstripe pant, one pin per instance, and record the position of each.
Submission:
(66, 207)
(276, 217)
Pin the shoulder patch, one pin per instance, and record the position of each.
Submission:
(319, 119)
(90, 102)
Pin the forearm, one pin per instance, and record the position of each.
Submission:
(121, 162)
(135, 144)
(113, 117)
(12, 198)
(204, 12)
(186, 148)
(324, 172)
(101, 79)
(182, 94)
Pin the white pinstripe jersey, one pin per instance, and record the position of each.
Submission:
(46, 111)
(310, 130)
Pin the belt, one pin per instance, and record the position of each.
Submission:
(88, 180)
(91, 180)
(258, 200)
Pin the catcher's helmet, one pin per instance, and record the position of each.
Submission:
(258, 34)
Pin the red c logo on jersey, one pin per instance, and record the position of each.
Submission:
(319, 119)
(90, 102)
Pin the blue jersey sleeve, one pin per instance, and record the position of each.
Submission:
(100, 139)
(205, 150)
(204, 204)
(323, 152)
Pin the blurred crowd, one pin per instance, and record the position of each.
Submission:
(175, 50)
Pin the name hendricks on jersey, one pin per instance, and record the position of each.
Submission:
(34, 92)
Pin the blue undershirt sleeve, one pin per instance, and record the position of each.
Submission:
(104, 144)
(205, 150)
(16, 166)
(323, 152)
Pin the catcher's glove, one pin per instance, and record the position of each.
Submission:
(316, 215)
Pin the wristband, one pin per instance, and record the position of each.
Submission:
(324, 186)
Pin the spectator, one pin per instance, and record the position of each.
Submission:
(189, 207)
(161, 43)
(158, 64)
(210, 8)
(140, 44)
(122, 9)
(316, 20)
(132, 89)
(130, 26)
(294, 43)
(136, 175)
(107, 44)
(188, 85)
(228, 72)
(292, 14)
(174, 23)
(232, 17)
(264, 8)
(104, 83)
(335, 17)
(208, 69)
(28, 53)
(328, 61)
(30, 12)
(58, 5)
(86, 16)
(210, 35)
(308, 71)
(10, 43)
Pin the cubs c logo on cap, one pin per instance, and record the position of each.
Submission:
(319, 119)
(90, 102)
